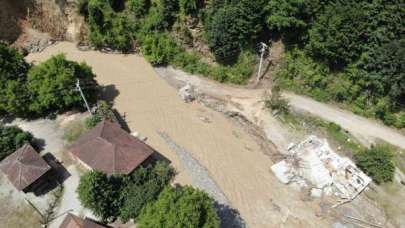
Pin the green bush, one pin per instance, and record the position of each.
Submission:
(52, 85)
(92, 121)
(158, 48)
(103, 111)
(12, 138)
(277, 103)
(180, 207)
(377, 162)
(13, 69)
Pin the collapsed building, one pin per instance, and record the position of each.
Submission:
(313, 165)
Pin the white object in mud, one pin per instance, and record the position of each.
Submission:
(187, 93)
(314, 162)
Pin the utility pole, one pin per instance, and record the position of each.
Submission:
(262, 51)
(81, 93)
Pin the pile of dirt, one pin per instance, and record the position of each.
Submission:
(32, 25)
(12, 14)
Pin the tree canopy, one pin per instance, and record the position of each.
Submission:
(52, 85)
(13, 70)
(12, 138)
(123, 196)
(180, 207)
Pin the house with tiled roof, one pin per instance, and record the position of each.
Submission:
(25, 168)
(110, 149)
(73, 221)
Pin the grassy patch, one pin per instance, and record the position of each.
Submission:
(337, 137)
(74, 130)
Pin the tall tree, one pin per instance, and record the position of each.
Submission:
(13, 76)
(180, 207)
(53, 84)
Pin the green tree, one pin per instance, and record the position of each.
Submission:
(139, 7)
(13, 76)
(190, 7)
(145, 185)
(52, 85)
(386, 72)
(12, 138)
(377, 162)
(101, 194)
(180, 207)
(338, 34)
(108, 28)
(103, 111)
(223, 34)
(158, 48)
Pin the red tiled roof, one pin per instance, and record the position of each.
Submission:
(73, 221)
(110, 149)
(24, 167)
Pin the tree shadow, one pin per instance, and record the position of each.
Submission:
(7, 119)
(230, 217)
(38, 144)
(55, 177)
(109, 93)
(121, 120)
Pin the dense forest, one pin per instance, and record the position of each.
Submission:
(347, 51)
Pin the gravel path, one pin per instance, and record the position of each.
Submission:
(365, 130)
(198, 173)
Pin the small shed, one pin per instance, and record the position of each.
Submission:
(110, 149)
(73, 221)
(25, 168)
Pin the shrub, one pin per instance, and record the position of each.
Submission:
(180, 207)
(277, 103)
(158, 48)
(377, 162)
(103, 111)
(92, 121)
(12, 138)
(52, 84)
(13, 69)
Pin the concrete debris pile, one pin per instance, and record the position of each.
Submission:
(313, 164)
(187, 93)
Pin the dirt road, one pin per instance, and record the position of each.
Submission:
(232, 157)
(365, 130)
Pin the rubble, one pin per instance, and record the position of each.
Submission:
(313, 164)
(187, 93)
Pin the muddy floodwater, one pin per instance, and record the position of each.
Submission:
(231, 157)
